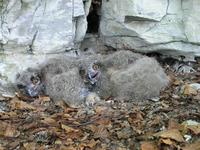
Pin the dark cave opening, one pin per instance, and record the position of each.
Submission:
(93, 17)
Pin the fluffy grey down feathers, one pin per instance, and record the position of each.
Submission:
(124, 74)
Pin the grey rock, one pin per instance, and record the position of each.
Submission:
(41, 26)
(166, 26)
(33, 31)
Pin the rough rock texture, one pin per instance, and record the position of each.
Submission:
(124, 74)
(166, 26)
(52, 26)
(32, 31)
(41, 26)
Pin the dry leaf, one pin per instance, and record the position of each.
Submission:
(92, 127)
(49, 121)
(44, 98)
(101, 132)
(1, 147)
(197, 97)
(68, 142)
(125, 133)
(148, 146)
(8, 115)
(100, 110)
(7, 130)
(172, 124)
(188, 90)
(29, 146)
(164, 105)
(193, 146)
(3, 126)
(177, 82)
(67, 148)
(167, 141)
(136, 120)
(194, 128)
(155, 121)
(14, 145)
(11, 131)
(75, 135)
(58, 142)
(65, 107)
(68, 129)
(33, 125)
(173, 134)
(92, 143)
(103, 121)
(82, 146)
(17, 104)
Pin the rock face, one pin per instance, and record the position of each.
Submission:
(33, 31)
(166, 26)
(41, 26)
(53, 26)
(124, 74)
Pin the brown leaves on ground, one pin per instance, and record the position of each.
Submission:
(188, 90)
(8, 130)
(29, 146)
(195, 129)
(149, 146)
(193, 146)
(119, 125)
(18, 104)
(173, 134)
(68, 129)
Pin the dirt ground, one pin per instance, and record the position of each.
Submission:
(169, 122)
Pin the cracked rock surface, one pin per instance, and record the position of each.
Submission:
(32, 31)
(166, 26)
(41, 26)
